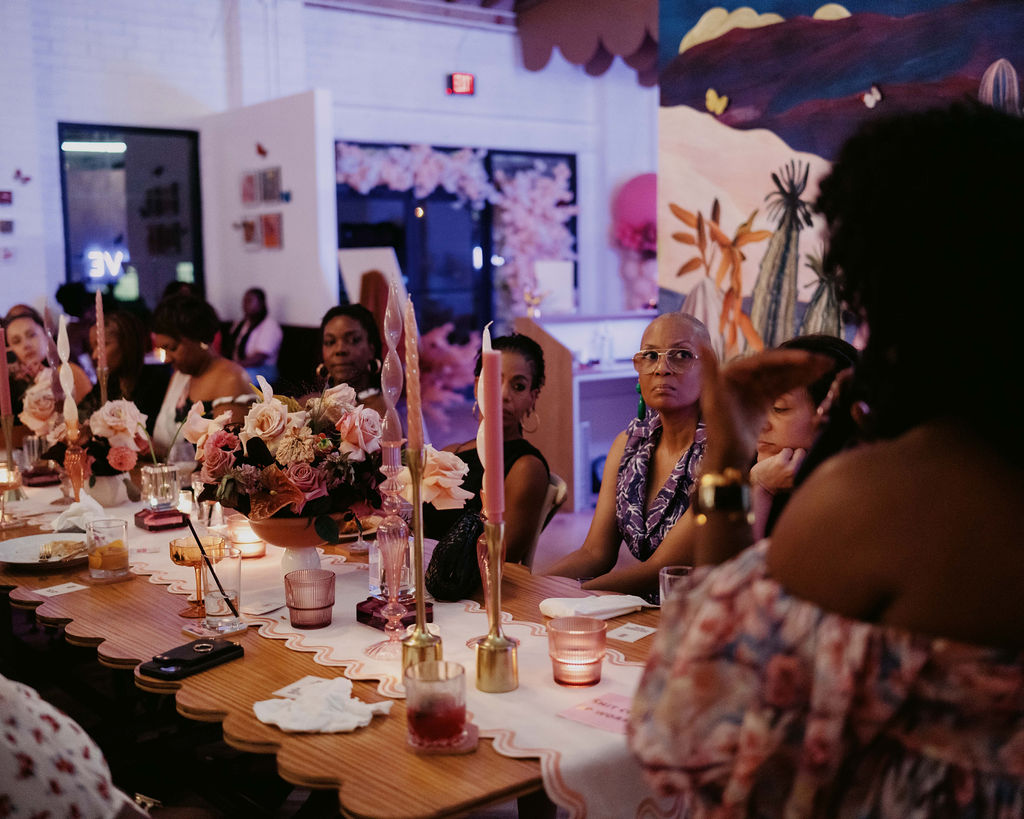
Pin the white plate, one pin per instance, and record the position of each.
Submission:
(349, 537)
(24, 551)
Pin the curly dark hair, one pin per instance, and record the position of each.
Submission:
(923, 210)
(132, 338)
(527, 348)
(841, 352)
(186, 316)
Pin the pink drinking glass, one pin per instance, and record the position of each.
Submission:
(577, 646)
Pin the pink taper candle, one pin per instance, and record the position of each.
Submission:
(414, 406)
(493, 453)
(101, 334)
(5, 378)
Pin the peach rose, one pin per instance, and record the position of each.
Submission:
(360, 433)
(119, 422)
(268, 419)
(441, 485)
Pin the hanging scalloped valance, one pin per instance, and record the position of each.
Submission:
(592, 34)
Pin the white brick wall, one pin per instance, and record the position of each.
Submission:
(170, 62)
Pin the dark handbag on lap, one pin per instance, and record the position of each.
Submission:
(453, 573)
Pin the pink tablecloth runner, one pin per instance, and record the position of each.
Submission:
(587, 770)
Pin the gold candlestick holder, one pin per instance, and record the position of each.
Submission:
(420, 645)
(497, 659)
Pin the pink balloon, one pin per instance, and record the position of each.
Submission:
(635, 203)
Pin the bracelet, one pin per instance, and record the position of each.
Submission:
(727, 492)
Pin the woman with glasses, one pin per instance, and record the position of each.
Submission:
(651, 468)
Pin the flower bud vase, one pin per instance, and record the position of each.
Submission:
(76, 465)
(393, 542)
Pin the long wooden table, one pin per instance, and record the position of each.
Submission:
(374, 773)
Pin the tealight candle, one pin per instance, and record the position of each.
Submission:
(245, 539)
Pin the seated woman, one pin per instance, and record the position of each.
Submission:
(256, 337)
(790, 429)
(28, 339)
(184, 327)
(867, 659)
(129, 377)
(651, 468)
(351, 349)
(526, 471)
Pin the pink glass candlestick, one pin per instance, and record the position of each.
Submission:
(414, 403)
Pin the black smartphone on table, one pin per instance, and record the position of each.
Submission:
(191, 658)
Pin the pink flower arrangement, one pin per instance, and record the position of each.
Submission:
(286, 461)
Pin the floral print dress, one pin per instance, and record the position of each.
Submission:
(755, 703)
(644, 529)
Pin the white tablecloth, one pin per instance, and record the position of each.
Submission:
(587, 770)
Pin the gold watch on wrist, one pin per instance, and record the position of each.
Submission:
(726, 492)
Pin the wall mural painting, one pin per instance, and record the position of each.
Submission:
(755, 103)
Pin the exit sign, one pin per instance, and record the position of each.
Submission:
(460, 83)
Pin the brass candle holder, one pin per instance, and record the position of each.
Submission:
(497, 659)
(420, 645)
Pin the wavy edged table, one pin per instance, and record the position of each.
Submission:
(375, 774)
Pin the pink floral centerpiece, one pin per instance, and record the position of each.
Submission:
(317, 462)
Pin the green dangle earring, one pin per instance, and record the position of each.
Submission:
(641, 407)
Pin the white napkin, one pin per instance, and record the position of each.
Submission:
(78, 514)
(326, 707)
(603, 606)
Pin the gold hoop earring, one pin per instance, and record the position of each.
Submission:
(204, 346)
(321, 370)
(374, 366)
(536, 417)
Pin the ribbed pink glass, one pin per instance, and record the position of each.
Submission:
(576, 646)
(309, 594)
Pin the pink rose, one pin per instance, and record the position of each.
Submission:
(309, 480)
(216, 463)
(360, 433)
(196, 429)
(122, 458)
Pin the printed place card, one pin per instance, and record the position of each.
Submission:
(292, 691)
(609, 712)
(630, 633)
(63, 588)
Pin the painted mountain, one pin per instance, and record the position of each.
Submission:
(811, 81)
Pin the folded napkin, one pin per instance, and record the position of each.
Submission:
(326, 707)
(78, 514)
(603, 606)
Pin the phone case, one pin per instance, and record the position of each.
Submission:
(191, 658)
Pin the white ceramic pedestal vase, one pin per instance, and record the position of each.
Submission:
(107, 490)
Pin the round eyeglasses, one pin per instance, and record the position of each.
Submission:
(676, 359)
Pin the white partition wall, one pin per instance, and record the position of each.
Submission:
(240, 152)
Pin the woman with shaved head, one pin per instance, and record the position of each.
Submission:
(650, 470)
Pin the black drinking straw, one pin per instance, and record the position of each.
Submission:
(206, 557)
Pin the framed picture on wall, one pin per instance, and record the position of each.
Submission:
(270, 184)
(270, 227)
(250, 188)
(252, 239)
